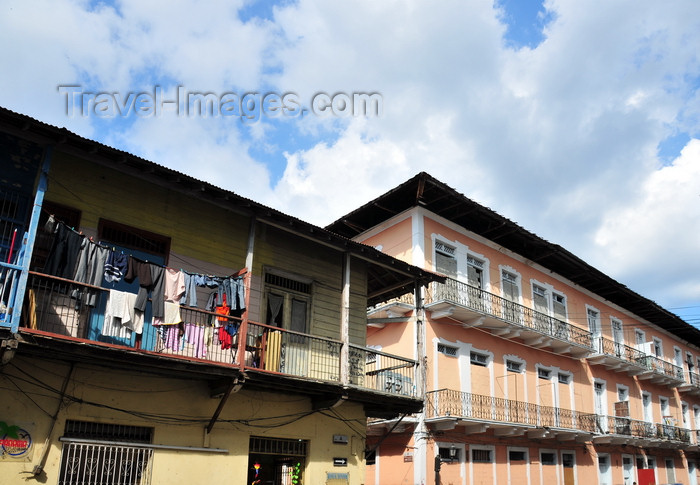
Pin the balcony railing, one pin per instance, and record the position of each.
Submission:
(660, 366)
(642, 429)
(465, 405)
(604, 345)
(513, 313)
(76, 311)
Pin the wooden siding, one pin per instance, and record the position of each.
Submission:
(276, 249)
(197, 229)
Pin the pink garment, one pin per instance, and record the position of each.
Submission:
(172, 337)
(174, 284)
(194, 335)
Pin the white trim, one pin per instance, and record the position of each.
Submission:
(603, 403)
(618, 387)
(508, 253)
(493, 461)
(507, 374)
(609, 474)
(417, 240)
(527, 461)
(561, 464)
(518, 280)
(591, 308)
(678, 352)
(542, 465)
(650, 409)
(657, 340)
(633, 477)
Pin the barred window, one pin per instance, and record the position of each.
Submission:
(481, 456)
(447, 350)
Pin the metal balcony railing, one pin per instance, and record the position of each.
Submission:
(641, 429)
(660, 366)
(496, 306)
(604, 345)
(77, 312)
(465, 405)
(694, 379)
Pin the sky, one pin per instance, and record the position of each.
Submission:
(580, 121)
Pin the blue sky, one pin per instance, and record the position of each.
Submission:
(578, 120)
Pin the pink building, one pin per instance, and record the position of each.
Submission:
(539, 369)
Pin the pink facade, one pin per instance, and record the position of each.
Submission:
(530, 377)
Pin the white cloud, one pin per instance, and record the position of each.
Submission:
(653, 239)
(554, 137)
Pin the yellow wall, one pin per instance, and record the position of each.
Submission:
(140, 399)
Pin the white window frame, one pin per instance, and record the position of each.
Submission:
(527, 460)
(665, 402)
(647, 410)
(491, 448)
(609, 476)
(640, 334)
(590, 309)
(626, 389)
(518, 280)
(547, 450)
(657, 343)
(549, 293)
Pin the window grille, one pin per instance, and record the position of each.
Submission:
(548, 458)
(105, 463)
(481, 456)
(287, 283)
(107, 432)
(98, 464)
(564, 378)
(513, 366)
(447, 350)
(444, 248)
(133, 238)
(278, 446)
(544, 373)
(478, 359)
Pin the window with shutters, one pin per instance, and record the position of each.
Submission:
(509, 286)
(288, 301)
(445, 261)
(475, 272)
(559, 306)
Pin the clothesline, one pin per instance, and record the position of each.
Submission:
(74, 256)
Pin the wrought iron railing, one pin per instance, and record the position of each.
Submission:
(660, 366)
(383, 372)
(642, 429)
(465, 405)
(77, 311)
(694, 379)
(604, 345)
(514, 313)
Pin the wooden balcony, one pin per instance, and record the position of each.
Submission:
(475, 307)
(627, 431)
(71, 316)
(447, 408)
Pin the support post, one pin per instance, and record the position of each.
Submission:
(28, 240)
